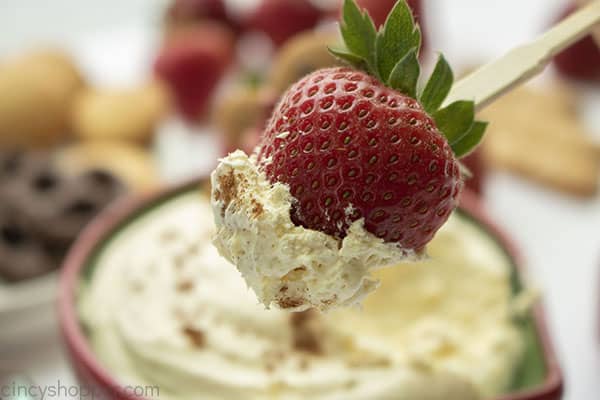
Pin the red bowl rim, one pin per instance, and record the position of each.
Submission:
(101, 228)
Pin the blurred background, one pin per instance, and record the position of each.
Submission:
(101, 100)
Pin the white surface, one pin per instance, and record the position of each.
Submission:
(558, 235)
(26, 309)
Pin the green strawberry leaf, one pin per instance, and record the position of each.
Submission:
(455, 120)
(438, 86)
(347, 56)
(398, 36)
(391, 56)
(470, 140)
(405, 75)
(358, 32)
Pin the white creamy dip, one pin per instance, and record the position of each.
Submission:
(163, 308)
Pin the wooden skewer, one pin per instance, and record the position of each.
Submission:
(519, 65)
(595, 31)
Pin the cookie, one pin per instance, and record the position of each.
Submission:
(234, 112)
(43, 210)
(35, 193)
(132, 164)
(22, 255)
(300, 56)
(60, 62)
(251, 136)
(10, 165)
(100, 184)
(54, 205)
(37, 92)
(537, 134)
(81, 200)
(130, 115)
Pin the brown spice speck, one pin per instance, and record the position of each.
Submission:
(136, 286)
(169, 236)
(306, 332)
(303, 364)
(185, 286)
(272, 358)
(362, 359)
(228, 190)
(179, 261)
(330, 301)
(195, 336)
(269, 367)
(179, 314)
(290, 302)
(257, 208)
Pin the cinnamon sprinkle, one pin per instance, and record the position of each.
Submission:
(196, 336)
(306, 332)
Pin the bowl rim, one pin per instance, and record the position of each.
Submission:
(104, 226)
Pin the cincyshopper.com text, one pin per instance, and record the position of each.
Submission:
(17, 390)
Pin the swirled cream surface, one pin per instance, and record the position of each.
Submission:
(163, 308)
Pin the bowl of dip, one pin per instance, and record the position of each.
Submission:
(148, 309)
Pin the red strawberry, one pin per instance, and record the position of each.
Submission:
(282, 19)
(196, 10)
(355, 144)
(192, 62)
(352, 144)
(581, 60)
(380, 9)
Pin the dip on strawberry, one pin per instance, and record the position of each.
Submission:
(356, 170)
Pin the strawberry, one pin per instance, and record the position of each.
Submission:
(188, 10)
(354, 143)
(192, 62)
(380, 9)
(582, 60)
(282, 19)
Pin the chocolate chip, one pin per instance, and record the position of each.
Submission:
(99, 185)
(81, 207)
(45, 182)
(56, 251)
(13, 235)
(102, 178)
(22, 255)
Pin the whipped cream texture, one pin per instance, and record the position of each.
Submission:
(287, 265)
